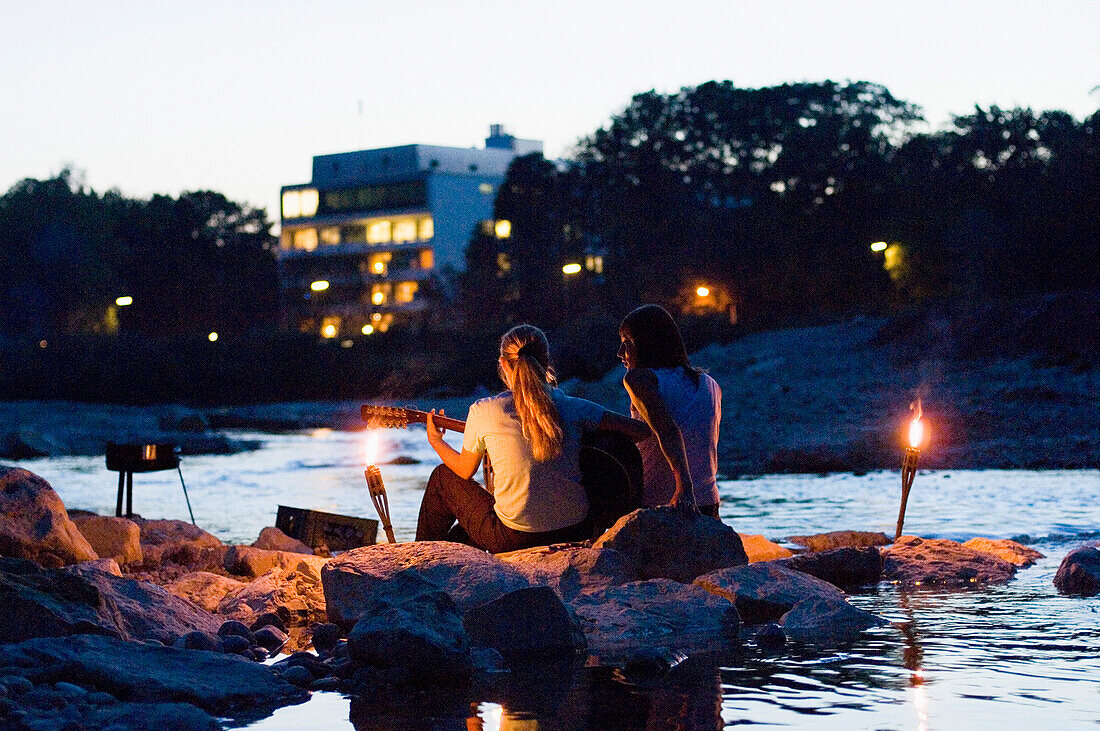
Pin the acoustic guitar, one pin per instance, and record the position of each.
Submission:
(611, 467)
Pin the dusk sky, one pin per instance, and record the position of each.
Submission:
(159, 97)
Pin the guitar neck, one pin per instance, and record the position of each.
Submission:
(399, 418)
(421, 417)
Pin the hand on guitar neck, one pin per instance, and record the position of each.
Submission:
(395, 417)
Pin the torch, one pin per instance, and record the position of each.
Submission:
(909, 462)
(378, 488)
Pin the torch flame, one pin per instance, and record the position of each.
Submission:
(916, 428)
(370, 447)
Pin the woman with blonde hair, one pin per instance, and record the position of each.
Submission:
(531, 434)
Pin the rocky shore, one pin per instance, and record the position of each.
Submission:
(132, 624)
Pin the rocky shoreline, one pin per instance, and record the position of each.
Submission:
(131, 624)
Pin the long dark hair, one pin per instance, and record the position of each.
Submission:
(657, 340)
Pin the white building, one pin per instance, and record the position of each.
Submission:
(363, 242)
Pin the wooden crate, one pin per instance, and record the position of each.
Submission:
(315, 528)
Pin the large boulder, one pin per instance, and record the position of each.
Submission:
(1011, 551)
(526, 626)
(363, 576)
(255, 562)
(630, 621)
(913, 561)
(203, 588)
(295, 595)
(758, 548)
(111, 537)
(34, 524)
(273, 539)
(846, 568)
(173, 539)
(1079, 572)
(103, 565)
(764, 592)
(225, 685)
(841, 539)
(39, 602)
(571, 570)
(670, 543)
(824, 621)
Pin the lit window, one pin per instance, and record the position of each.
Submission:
(594, 263)
(427, 229)
(503, 229)
(702, 291)
(427, 259)
(330, 327)
(404, 230)
(368, 329)
(292, 204)
(305, 239)
(330, 235)
(378, 294)
(379, 263)
(485, 189)
(405, 292)
(378, 232)
(309, 199)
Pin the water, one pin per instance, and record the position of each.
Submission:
(1010, 656)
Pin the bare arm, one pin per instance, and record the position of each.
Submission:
(464, 463)
(636, 430)
(641, 385)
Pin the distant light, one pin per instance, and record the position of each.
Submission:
(42, 343)
(309, 201)
(329, 331)
(378, 298)
(123, 301)
(503, 229)
(368, 329)
(702, 291)
(319, 286)
(212, 337)
(379, 266)
(485, 189)
(878, 246)
(347, 343)
(571, 268)
(376, 316)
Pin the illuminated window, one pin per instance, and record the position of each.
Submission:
(378, 232)
(310, 199)
(382, 324)
(368, 329)
(485, 189)
(330, 327)
(427, 229)
(292, 204)
(594, 263)
(503, 229)
(405, 292)
(404, 230)
(330, 235)
(379, 293)
(504, 262)
(305, 239)
(427, 259)
(378, 264)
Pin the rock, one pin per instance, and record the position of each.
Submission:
(206, 641)
(758, 548)
(239, 629)
(152, 673)
(668, 543)
(152, 716)
(271, 638)
(827, 621)
(1011, 551)
(237, 645)
(571, 570)
(1079, 572)
(422, 634)
(298, 675)
(203, 589)
(470, 576)
(770, 635)
(34, 524)
(268, 619)
(41, 602)
(296, 596)
(273, 539)
(846, 568)
(841, 539)
(913, 561)
(763, 592)
(110, 537)
(627, 621)
(255, 562)
(325, 636)
(526, 626)
(175, 541)
(102, 565)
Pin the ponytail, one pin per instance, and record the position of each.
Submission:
(525, 348)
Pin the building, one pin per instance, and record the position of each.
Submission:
(364, 242)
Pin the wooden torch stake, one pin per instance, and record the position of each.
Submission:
(378, 497)
(908, 472)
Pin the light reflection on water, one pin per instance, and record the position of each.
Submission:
(1007, 656)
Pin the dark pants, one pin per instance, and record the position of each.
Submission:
(461, 510)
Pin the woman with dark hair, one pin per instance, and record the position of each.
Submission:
(531, 434)
(680, 403)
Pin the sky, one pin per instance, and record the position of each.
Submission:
(154, 96)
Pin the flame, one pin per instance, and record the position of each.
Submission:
(370, 447)
(916, 428)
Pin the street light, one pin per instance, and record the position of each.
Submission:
(878, 246)
(124, 300)
(573, 268)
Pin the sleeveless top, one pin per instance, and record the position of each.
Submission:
(697, 411)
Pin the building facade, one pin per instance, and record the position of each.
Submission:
(363, 244)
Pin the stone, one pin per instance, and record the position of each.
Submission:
(758, 548)
(273, 539)
(175, 541)
(846, 568)
(239, 629)
(151, 673)
(763, 592)
(206, 641)
(325, 636)
(670, 543)
(34, 524)
(271, 638)
(102, 565)
(298, 675)
(423, 634)
(841, 539)
(295, 595)
(526, 626)
(255, 562)
(111, 537)
(41, 602)
(914, 561)
(203, 588)
(395, 570)
(1079, 572)
(770, 636)
(827, 621)
(268, 619)
(628, 621)
(571, 570)
(1011, 551)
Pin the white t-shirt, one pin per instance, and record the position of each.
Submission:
(697, 412)
(531, 496)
